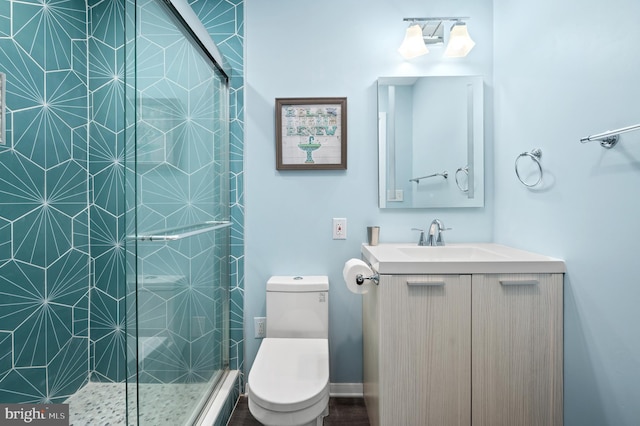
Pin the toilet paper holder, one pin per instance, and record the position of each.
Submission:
(360, 279)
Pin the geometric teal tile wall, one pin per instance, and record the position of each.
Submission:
(181, 181)
(61, 175)
(106, 196)
(224, 20)
(44, 216)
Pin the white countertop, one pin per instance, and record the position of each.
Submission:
(471, 258)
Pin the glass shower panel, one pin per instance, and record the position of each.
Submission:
(179, 266)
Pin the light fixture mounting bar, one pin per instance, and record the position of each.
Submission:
(433, 28)
(438, 18)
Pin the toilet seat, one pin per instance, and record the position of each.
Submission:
(291, 375)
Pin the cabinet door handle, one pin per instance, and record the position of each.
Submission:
(519, 282)
(420, 283)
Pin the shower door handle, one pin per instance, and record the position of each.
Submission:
(184, 232)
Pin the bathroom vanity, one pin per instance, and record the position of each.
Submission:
(463, 334)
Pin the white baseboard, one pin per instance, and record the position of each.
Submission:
(346, 389)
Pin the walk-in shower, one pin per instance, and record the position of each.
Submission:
(114, 210)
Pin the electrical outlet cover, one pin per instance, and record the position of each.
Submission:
(339, 231)
(260, 325)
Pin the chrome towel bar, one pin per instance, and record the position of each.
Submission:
(609, 138)
(184, 232)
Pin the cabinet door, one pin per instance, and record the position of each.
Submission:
(424, 343)
(517, 349)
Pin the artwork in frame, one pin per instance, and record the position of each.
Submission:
(311, 133)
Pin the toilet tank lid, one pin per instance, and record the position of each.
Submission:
(307, 283)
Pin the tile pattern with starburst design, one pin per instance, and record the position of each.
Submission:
(62, 224)
(44, 213)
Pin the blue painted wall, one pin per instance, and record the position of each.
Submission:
(326, 49)
(562, 72)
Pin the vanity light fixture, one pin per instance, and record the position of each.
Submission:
(460, 43)
(413, 44)
(423, 32)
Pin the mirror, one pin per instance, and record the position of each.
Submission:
(430, 142)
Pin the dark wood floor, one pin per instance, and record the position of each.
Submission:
(342, 411)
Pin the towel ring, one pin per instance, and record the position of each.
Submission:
(464, 169)
(535, 155)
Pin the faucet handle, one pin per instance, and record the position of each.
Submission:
(421, 241)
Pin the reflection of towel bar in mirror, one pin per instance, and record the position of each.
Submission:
(444, 174)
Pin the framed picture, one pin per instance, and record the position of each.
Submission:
(311, 133)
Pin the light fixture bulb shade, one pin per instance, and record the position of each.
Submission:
(460, 43)
(413, 44)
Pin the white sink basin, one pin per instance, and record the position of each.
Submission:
(457, 259)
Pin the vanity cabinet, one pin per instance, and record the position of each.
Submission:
(476, 349)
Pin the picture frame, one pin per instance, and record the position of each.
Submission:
(311, 133)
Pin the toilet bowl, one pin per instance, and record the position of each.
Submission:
(288, 384)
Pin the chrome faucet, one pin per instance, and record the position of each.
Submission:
(434, 237)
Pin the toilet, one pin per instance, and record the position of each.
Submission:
(288, 383)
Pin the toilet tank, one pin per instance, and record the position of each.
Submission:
(298, 307)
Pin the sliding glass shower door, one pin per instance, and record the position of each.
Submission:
(178, 217)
